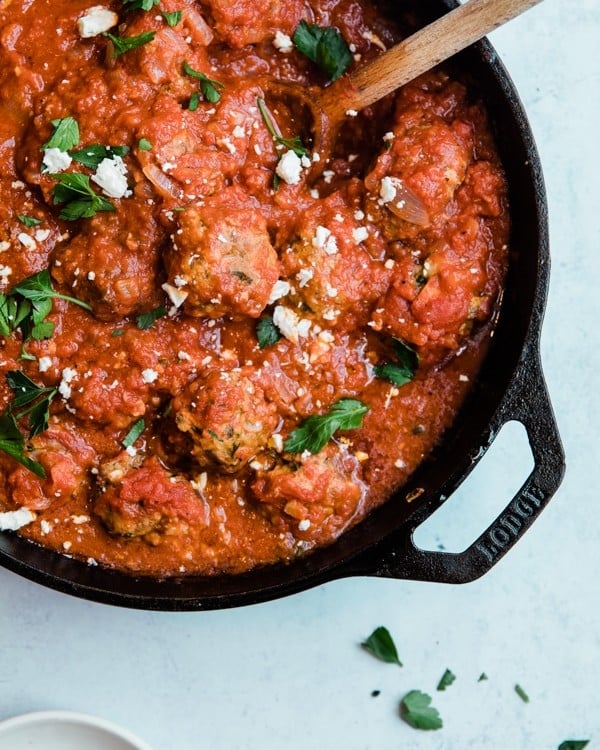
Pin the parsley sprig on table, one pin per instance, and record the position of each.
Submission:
(381, 644)
(316, 431)
(325, 46)
(416, 710)
(211, 89)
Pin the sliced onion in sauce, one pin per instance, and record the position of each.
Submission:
(406, 205)
(200, 30)
(162, 182)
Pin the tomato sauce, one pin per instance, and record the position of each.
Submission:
(232, 289)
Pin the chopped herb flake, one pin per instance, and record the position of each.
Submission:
(573, 744)
(267, 332)
(381, 644)
(401, 371)
(173, 18)
(521, 693)
(144, 145)
(12, 443)
(92, 155)
(134, 433)
(36, 398)
(194, 101)
(81, 201)
(29, 221)
(123, 44)
(146, 320)
(140, 4)
(210, 88)
(446, 680)
(325, 46)
(316, 431)
(416, 710)
(292, 144)
(482, 677)
(65, 135)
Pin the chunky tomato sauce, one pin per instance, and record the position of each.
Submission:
(233, 288)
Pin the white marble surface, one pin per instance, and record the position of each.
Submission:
(290, 674)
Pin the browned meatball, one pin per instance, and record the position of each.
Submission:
(228, 418)
(223, 260)
(247, 22)
(314, 498)
(136, 500)
(113, 262)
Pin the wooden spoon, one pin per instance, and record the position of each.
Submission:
(402, 63)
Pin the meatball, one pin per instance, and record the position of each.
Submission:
(113, 262)
(228, 418)
(135, 500)
(331, 268)
(315, 498)
(247, 22)
(223, 259)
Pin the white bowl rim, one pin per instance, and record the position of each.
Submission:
(72, 717)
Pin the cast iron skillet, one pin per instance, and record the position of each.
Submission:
(509, 387)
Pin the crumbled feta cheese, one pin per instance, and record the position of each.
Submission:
(325, 240)
(239, 132)
(12, 520)
(463, 378)
(96, 21)
(359, 215)
(304, 275)
(111, 176)
(69, 374)
(131, 450)
(289, 168)
(5, 272)
(149, 375)
(27, 241)
(351, 113)
(55, 160)
(78, 520)
(399, 463)
(177, 296)
(290, 324)
(45, 527)
(389, 264)
(304, 525)
(280, 289)
(283, 42)
(67, 545)
(360, 234)
(387, 190)
(388, 137)
(41, 235)
(4, 246)
(184, 356)
(44, 363)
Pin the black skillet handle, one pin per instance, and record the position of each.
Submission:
(527, 402)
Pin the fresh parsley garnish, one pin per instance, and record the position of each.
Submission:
(146, 320)
(29, 221)
(292, 144)
(316, 431)
(194, 101)
(140, 4)
(144, 145)
(173, 18)
(64, 136)
(401, 371)
(325, 46)
(211, 89)
(12, 443)
(483, 677)
(416, 710)
(573, 744)
(81, 201)
(134, 433)
(381, 644)
(35, 398)
(521, 693)
(123, 44)
(39, 290)
(92, 155)
(267, 332)
(446, 680)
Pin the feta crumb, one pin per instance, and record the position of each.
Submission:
(351, 113)
(91, 275)
(177, 296)
(69, 374)
(390, 263)
(361, 456)
(463, 378)
(289, 168)
(359, 215)
(283, 42)
(78, 520)
(149, 375)
(45, 527)
(67, 545)
(12, 520)
(360, 234)
(277, 442)
(239, 132)
(27, 241)
(184, 356)
(325, 240)
(304, 525)
(41, 235)
(399, 463)
(387, 190)
(96, 21)
(388, 137)
(280, 289)
(131, 450)
(304, 275)
(4, 246)
(44, 363)
(291, 325)
(111, 176)
(55, 160)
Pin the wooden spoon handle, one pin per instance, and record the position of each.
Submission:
(420, 52)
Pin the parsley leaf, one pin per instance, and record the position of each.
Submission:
(446, 680)
(521, 693)
(482, 677)
(194, 101)
(12, 443)
(403, 370)
(381, 644)
(316, 431)
(39, 290)
(146, 320)
(81, 201)
(29, 221)
(140, 4)
(36, 398)
(123, 44)
(573, 744)
(208, 86)
(325, 46)
(144, 145)
(173, 18)
(267, 332)
(416, 710)
(92, 155)
(134, 433)
(292, 144)
(65, 135)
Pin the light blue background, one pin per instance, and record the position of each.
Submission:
(290, 674)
